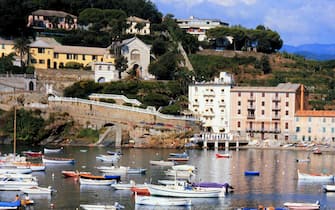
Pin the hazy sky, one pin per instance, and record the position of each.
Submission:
(297, 21)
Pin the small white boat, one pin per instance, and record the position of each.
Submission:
(113, 169)
(315, 177)
(15, 170)
(328, 187)
(89, 179)
(16, 183)
(184, 191)
(116, 206)
(183, 167)
(162, 163)
(52, 150)
(136, 170)
(158, 201)
(305, 206)
(36, 190)
(126, 186)
(108, 158)
(179, 174)
(57, 160)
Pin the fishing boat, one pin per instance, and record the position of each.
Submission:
(52, 149)
(16, 183)
(305, 206)
(73, 173)
(140, 190)
(183, 167)
(214, 185)
(162, 163)
(108, 158)
(10, 204)
(328, 188)
(317, 151)
(137, 170)
(184, 191)
(226, 155)
(32, 154)
(116, 206)
(57, 160)
(158, 201)
(315, 177)
(113, 169)
(251, 173)
(179, 174)
(89, 179)
(36, 190)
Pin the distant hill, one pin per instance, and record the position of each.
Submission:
(312, 51)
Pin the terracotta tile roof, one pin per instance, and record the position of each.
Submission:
(80, 50)
(50, 13)
(315, 113)
(137, 20)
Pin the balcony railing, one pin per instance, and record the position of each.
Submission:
(276, 117)
(276, 99)
(251, 116)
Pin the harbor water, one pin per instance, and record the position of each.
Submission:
(277, 183)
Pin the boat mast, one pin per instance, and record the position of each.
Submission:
(14, 137)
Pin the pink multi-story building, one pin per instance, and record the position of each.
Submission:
(266, 112)
(51, 19)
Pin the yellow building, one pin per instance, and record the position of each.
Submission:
(46, 53)
(6, 47)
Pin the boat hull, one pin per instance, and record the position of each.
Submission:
(157, 201)
(184, 193)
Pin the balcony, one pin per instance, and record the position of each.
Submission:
(276, 99)
(209, 93)
(276, 117)
(276, 108)
(222, 105)
(251, 116)
(251, 107)
(251, 99)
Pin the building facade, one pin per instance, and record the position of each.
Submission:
(104, 72)
(51, 19)
(47, 53)
(138, 26)
(6, 47)
(198, 27)
(210, 101)
(266, 112)
(315, 125)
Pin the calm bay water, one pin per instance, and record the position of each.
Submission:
(276, 184)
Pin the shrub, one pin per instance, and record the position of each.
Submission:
(73, 65)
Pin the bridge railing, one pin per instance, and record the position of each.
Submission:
(115, 96)
(116, 106)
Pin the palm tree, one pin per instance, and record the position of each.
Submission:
(21, 46)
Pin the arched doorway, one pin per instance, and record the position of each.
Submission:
(101, 80)
(31, 86)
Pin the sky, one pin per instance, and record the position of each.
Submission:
(297, 21)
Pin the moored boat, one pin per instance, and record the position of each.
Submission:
(226, 155)
(36, 190)
(315, 177)
(162, 163)
(73, 173)
(136, 170)
(328, 187)
(89, 179)
(52, 149)
(16, 183)
(251, 173)
(116, 206)
(159, 201)
(184, 191)
(140, 190)
(178, 158)
(183, 167)
(57, 160)
(10, 204)
(32, 154)
(305, 206)
(179, 174)
(108, 158)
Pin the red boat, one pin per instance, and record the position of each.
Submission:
(218, 155)
(140, 190)
(74, 173)
(32, 154)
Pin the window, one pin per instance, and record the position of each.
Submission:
(41, 50)
(238, 111)
(263, 103)
(238, 124)
(69, 56)
(309, 130)
(297, 119)
(324, 119)
(239, 103)
(3, 46)
(94, 57)
(286, 138)
(251, 94)
(323, 130)
(263, 94)
(276, 95)
(333, 120)
(309, 119)
(333, 130)
(75, 56)
(286, 103)
(56, 55)
(263, 112)
(287, 94)
(83, 57)
(297, 129)
(239, 94)
(195, 110)
(286, 113)
(222, 90)
(41, 61)
(195, 100)
(222, 100)
(33, 61)
(286, 125)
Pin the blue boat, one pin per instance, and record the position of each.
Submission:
(251, 173)
(10, 203)
(117, 177)
(179, 155)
